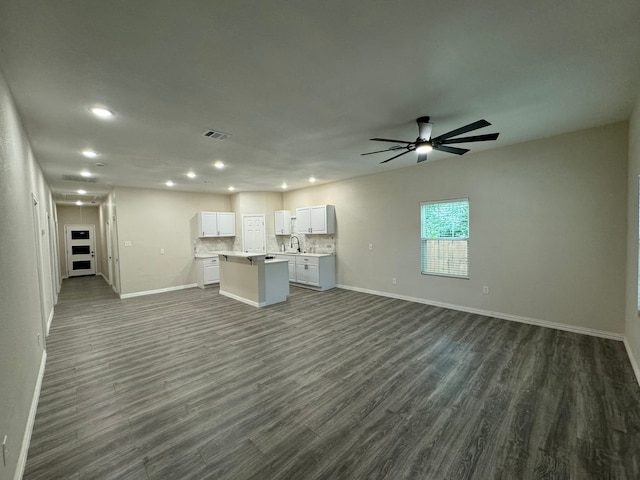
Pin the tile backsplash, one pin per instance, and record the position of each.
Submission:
(308, 243)
(210, 245)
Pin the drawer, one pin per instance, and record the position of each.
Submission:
(303, 260)
(210, 261)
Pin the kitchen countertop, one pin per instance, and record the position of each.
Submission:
(205, 255)
(303, 254)
(277, 260)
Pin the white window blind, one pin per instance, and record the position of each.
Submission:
(445, 237)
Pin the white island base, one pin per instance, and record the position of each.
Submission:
(253, 280)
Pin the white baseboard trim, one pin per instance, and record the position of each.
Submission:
(49, 320)
(632, 359)
(105, 278)
(242, 299)
(26, 439)
(159, 290)
(488, 313)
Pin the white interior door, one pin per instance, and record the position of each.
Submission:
(253, 234)
(38, 244)
(81, 251)
(115, 252)
(109, 252)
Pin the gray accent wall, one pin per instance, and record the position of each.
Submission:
(22, 303)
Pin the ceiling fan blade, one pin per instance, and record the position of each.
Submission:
(456, 150)
(389, 140)
(395, 147)
(422, 157)
(461, 130)
(389, 159)
(475, 138)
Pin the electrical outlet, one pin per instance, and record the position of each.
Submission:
(485, 290)
(371, 246)
(162, 251)
(127, 243)
(5, 451)
(394, 281)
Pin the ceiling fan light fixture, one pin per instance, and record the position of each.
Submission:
(100, 111)
(424, 147)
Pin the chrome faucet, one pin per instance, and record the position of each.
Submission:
(291, 245)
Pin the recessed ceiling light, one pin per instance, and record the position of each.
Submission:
(191, 174)
(86, 173)
(284, 185)
(89, 153)
(219, 164)
(231, 188)
(79, 203)
(100, 111)
(169, 183)
(82, 192)
(312, 179)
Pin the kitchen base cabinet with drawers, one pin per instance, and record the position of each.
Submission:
(207, 270)
(316, 271)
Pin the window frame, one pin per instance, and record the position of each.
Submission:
(467, 239)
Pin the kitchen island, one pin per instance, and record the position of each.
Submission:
(252, 278)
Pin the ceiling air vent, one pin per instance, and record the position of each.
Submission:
(217, 135)
(76, 178)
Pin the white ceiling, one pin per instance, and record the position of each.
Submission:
(301, 86)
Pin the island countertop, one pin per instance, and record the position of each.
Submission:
(233, 253)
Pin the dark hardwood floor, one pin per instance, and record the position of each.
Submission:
(329, 385)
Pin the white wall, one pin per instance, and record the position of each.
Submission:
(632, 325)
(157, 219)
(547, 223)
(21, 302)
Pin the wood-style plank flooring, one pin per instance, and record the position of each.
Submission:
(329, 385)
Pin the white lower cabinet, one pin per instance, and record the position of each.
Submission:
(307, 271)
(207, 271)
(313, 271)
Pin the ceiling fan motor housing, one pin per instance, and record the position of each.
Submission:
(424, 129)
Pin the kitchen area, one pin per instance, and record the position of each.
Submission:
(299, 251)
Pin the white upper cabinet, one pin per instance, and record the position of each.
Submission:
(320, 219)
(226, 224)
(216, 224)
(283, 222)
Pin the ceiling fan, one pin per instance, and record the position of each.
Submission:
(424, 143)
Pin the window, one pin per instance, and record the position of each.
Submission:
(444, 228)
